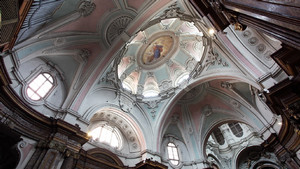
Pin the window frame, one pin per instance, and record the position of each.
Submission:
(31, 78)
(216, 135)
(233, 128)
(168, 155)
(36, 92)
(113, 130)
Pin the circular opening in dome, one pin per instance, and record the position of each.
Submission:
(150, 93)
(182, 78)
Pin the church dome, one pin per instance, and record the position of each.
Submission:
(160, 58)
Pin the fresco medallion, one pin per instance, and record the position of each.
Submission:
(158, 50)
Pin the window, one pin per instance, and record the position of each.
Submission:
(108, 135)
(236, 129)
(126, 86)
(150, 93)
(40, 86)
(173, 154)
(219, 136)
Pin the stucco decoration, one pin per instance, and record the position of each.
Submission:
(260, 45)
(84, 54)
(157, 61)
(254, 157)
(86, 8)
(114, 118)
(226, 85)
(126, 104)
(227, 152)
(193, 94)
(117, 27)
(212, 59)
(59, 42)
(253, 41)
(173, 11)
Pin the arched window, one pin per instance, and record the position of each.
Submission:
(40, 86)
(108, 135)
(236, 129)
(173, 154)
(219, 136)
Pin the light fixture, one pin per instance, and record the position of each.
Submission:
(211, 31)
(279, 123)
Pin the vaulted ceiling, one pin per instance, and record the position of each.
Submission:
(99, 51)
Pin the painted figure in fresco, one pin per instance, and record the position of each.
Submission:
(157, 49)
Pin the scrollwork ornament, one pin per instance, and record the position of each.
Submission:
(190, 64)
(84, 54)
(22, 144)
(226, 85)
(125, 104)
(86, 8)
(111, 76)
(214, 59)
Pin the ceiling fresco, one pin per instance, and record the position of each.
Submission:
(160, 58)
(148, 67)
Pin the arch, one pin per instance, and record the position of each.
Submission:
(105, 156)
(217, 125)
(214, 162)
(255, 157)
(128, 127)
(266, 165)
(183, 153)
(104, 133)
(162, 118)
(10, 155)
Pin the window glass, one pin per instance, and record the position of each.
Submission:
(40, 86)
(106, 134)
(219, 136)
(236, 129)
(173, 154)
